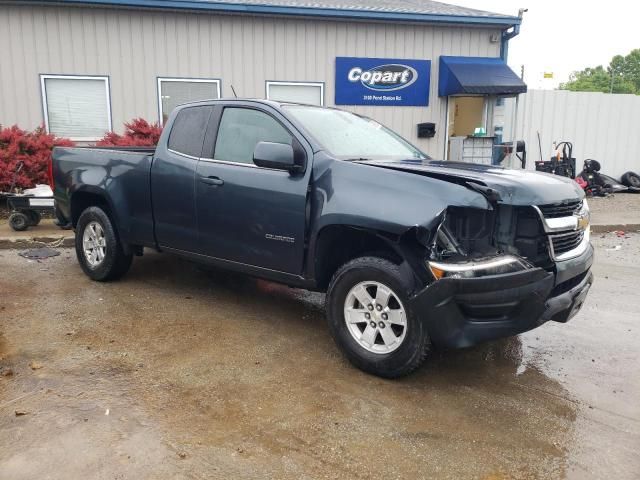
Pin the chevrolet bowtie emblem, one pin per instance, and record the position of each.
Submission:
(583, 221)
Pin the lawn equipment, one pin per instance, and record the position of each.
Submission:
(28, 206)
(596, 184)
(563, 163)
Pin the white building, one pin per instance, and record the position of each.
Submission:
(83, 67)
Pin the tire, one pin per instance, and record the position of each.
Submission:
(34, 217)
(631, 179)
(104, 259)
(19, 221)
(381, 358)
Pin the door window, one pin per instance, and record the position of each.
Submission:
(187, 133)
(240, 131)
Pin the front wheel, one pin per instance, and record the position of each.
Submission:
(371, 319)
(98, 248)
(19, 221)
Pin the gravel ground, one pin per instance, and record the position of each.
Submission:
(175, 372)
(618, 209)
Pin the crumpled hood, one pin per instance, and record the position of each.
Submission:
(515, 187)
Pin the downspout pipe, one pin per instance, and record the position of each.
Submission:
(504, 53)
(509, 34)
(506, 36)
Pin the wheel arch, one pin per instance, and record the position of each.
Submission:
(91, 196)
(337, 244)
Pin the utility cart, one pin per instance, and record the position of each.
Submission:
(27, 207)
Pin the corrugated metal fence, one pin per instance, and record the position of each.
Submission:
(600, 126)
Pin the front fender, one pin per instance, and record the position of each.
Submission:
(387, 203)
(381, 200)
(386, 200)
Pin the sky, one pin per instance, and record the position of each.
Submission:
(565, 35)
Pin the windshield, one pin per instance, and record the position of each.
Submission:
(351, 137)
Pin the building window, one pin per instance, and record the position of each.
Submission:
(297, 92)
(77, 107)
(176, 91)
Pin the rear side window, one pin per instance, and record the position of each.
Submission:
(241, 129)
(187, 133)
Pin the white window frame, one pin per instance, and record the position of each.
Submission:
(107, 87)
(217, 81)
(295, 84)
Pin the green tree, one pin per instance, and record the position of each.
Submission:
(627, 69)
(621, 76)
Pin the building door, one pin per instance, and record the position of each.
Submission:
(467, 115)
(464, 116)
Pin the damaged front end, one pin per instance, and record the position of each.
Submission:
(495, 273)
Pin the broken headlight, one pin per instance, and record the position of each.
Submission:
(478, 268)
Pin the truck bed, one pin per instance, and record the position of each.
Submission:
(130, 149)
(85, 171)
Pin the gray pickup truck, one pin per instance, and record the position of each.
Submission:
(413, 253)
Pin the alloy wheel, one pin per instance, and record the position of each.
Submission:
(375, 317)
(94, 244)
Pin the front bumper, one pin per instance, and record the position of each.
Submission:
(463, 312)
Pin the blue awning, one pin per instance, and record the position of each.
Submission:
(477, 76)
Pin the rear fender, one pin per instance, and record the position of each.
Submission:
(89, 195)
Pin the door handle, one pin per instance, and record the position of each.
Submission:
(215, 181)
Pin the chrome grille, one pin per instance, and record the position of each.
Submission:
(557, 210)
(566, 242)
(564, 225)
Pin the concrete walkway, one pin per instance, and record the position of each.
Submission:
(44, 233)
(616, 212)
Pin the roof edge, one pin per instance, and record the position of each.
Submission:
(502, 21)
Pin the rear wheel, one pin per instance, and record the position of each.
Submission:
(371, 319)
(34, 217)
(98, 248)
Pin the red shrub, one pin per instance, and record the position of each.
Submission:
(31, 148)
(138, 133)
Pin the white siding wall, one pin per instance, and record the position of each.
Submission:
(134, 47)
(600, 126)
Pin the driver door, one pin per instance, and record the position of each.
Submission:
(249, 214)
(173, 177)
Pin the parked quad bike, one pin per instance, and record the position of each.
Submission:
(601, 185)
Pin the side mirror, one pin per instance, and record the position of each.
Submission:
(274, 155)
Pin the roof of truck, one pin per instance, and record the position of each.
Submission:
(273, 103)
(426, 11)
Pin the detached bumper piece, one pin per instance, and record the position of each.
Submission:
(464, 312)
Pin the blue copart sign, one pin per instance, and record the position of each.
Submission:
(382, 81)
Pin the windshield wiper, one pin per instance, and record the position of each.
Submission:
(358, 159)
